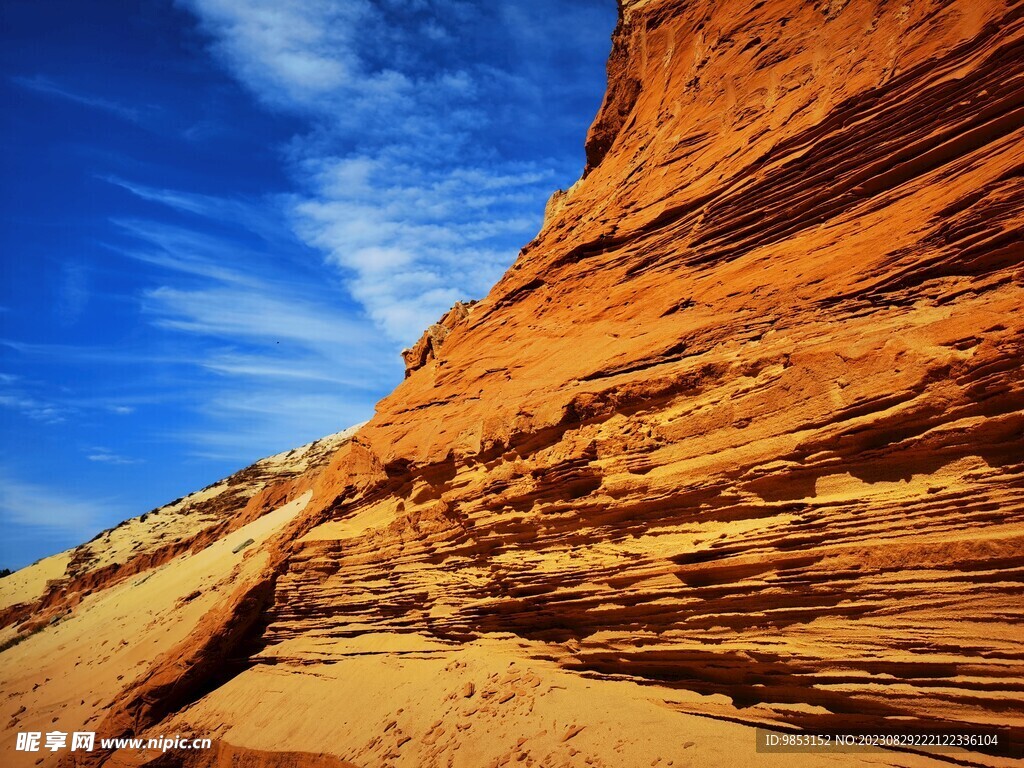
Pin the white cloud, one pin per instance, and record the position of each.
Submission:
(400, 190)
(48, 87)
(289, 53)
(258, 414)
(181, 250)
(292, 357)
(254, 216)
(404, 201)
(35, 506)
(247, 314)
(33, 400)
(294, 367)
(106, 456)
(412, 241)
(33, 408)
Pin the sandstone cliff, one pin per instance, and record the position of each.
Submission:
(428, 347)
(738, 439)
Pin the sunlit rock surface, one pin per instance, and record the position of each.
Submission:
(737, 440)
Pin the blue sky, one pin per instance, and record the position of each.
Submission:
(221, 220)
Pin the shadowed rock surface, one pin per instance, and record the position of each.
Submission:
(738, 439)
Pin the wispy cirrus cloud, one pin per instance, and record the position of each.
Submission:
(414, 184)
(259, 217)
(51, 88)
(33, 408)
(408, 184)
(287, 353)
(33, 400)
(63, 512)
(410, 240)
(39, 519)
(265, 304)
(245, 278)
(106, 456)
(288, 53)
(17, 395)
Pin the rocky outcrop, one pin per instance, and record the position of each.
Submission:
(426, 349)
(625, 81)
(737, 440)
(186, 525)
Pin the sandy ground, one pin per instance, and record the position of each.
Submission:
(64, 677)
(387, 700)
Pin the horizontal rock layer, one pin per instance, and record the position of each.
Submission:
(739, 435)
(746, 417)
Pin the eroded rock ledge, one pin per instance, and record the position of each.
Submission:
(426, 349)
(738, 439)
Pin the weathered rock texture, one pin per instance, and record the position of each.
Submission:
(739, 435)
(427, 348)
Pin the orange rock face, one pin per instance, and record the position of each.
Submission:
(426, 349)
(738, 439)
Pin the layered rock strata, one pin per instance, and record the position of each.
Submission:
(738, 439)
